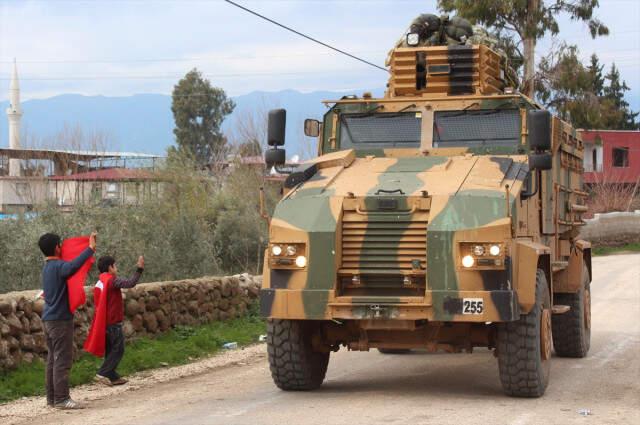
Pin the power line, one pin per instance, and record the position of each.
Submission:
(304, 35)
(177, 76)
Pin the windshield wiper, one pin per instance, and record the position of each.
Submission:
(413, 105)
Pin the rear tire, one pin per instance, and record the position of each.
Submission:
(293, 363)
(394, 350)
(572, 330)
(524, 347)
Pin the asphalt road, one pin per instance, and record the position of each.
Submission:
(419, 388)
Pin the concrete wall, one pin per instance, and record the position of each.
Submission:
(150, 308)
(611, 229)
(17, 193)
(70, 192)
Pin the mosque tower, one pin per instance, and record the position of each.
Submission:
(14, 114)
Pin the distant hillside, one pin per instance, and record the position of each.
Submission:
(144, 123)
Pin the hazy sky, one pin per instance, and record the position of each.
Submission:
(123, 47)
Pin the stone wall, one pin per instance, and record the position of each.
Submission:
(612, 229)
(150, 308)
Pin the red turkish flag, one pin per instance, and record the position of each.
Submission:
(96, 338)
(71, 248)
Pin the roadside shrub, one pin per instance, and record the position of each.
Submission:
(198, 226)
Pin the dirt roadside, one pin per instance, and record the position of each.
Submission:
(33, 407)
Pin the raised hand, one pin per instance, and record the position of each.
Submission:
(92, 240)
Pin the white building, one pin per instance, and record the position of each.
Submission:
(68, 177)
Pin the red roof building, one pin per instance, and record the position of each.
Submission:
(611, 156)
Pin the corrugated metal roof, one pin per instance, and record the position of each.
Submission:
(76, 154)
(110, 174)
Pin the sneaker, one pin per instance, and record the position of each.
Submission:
(103, 380)
(68, 404)
(119, 381)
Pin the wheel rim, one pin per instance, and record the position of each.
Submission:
(545, 334)
(587, 308)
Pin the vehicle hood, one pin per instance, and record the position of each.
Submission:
(345, 175)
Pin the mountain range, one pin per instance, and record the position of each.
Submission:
(144, 122)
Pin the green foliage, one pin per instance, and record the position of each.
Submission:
(595, 73)
(199, 110)
(198, 226)
(614, 93)
(513, 21)
(175, 245)
(176, 347)
(240, 233)
(518, 17)
(580, 94)
(607, 250)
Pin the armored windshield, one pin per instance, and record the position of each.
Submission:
(385, 130)
(477, 128)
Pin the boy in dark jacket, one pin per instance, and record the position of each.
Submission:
(110, 286)
(57, 317)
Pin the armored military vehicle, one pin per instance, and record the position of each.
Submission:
(443, 216)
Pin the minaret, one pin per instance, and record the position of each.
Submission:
(14, 113)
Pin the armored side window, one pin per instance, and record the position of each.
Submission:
(385, 130)
(477, 128)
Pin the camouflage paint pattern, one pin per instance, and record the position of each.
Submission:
(384, 231)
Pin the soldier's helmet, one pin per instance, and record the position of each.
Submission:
(425, 25)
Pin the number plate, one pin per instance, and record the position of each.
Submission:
(472, 305)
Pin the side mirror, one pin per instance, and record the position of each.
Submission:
(311, 128)
(276, 127)
(274, 157)
(539, 127)
(540, 161)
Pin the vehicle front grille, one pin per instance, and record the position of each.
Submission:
(383, 245)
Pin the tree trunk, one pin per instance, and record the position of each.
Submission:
(529, 65)
(530, 48)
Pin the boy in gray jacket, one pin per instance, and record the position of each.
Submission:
(57, 317)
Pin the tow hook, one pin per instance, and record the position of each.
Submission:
(376, 310)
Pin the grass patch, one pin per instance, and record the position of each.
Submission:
(607, 250)
(178, 346)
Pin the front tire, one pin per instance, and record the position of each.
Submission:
(572, 330)
(294, 365)
(524, 347)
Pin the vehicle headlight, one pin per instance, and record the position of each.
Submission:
(301, 261)
(413, 39)
(467, 261)
(481, 254)
(288, 255)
